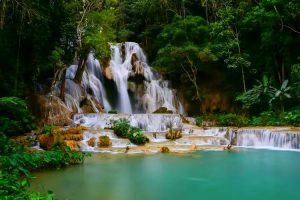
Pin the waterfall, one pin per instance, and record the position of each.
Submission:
(128, 62)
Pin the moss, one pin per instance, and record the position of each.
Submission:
(163, 110)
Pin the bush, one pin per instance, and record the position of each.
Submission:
(113, 111)
(271, 118)
(232, 120)
(15, 118)
(199, 120)
(136, 136)
(123, 129)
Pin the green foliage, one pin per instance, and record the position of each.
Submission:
(259, 95)
(113, 111)
(15, 118)
(199, 120)
(136, 136)
(271, 118)
(231, 119)
(123, 129)
(16, 164)
(47, 129)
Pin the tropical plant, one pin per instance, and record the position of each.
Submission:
(280, 95)
(15, 118)
(260, 94)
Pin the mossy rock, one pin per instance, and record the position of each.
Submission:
(164, 149)
(46, 141)
(75, 130)
(163, 110)
(104, 141)
(91, 142)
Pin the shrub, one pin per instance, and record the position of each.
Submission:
(231, 119)
(123, 129)
(15, 118)
(113, 111)
(199, 120)
(136, 136)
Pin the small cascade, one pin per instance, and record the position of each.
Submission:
(268, 138)
(147, 122)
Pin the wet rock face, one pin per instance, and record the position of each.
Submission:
(91, 105)
(104, 141)
(50, 109)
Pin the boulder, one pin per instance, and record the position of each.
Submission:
(91, 142)
(50, 109)
(104, 141)
(164, 149)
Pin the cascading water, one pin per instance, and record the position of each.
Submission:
(128, 60)
(275, 138)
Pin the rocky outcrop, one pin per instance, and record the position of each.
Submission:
(173, 134)
(50, 109)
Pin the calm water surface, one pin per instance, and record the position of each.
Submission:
(246, 174)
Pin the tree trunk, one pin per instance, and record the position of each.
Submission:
(62, 86)
(81, 66)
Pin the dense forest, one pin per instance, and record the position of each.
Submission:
(221, 55)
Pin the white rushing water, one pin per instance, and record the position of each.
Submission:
(147, 122)
(127, 61)
(270, 138)
(156, 126)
